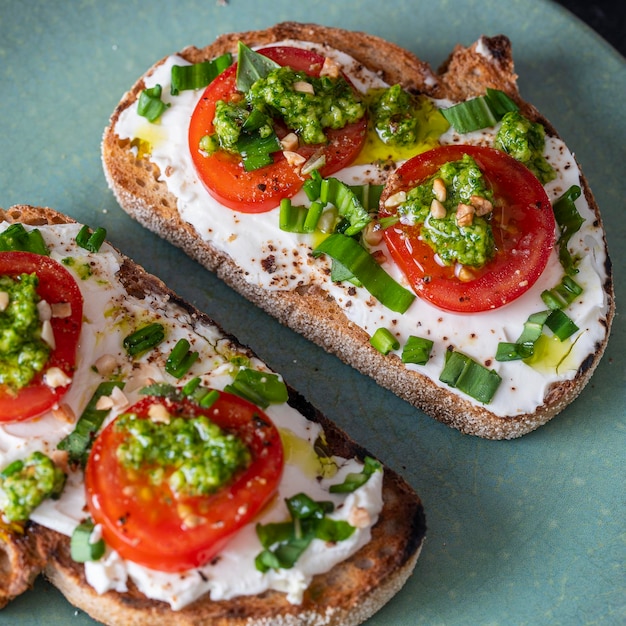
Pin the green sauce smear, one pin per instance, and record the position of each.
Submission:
(525, 141)
(203, 456)
(279, 95)
(23, 353)
(471, 245)
(26, 484)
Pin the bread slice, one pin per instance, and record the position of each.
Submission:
(348, 594)
(142, 191)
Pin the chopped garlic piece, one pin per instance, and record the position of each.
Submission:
(47, 334)
(396, 199)
(159, 414)
(289, 141)
(56, 377)
(293, 158)
(106, 364)
(117, 400)
(64, 413)
(303, 87)
(44, 310)
(104, 403)
(331, 68)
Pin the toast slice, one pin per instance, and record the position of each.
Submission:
(143, 189)
(347, 594)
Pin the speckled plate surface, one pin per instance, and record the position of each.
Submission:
(529, 531)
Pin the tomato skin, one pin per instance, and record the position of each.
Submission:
(522, 249)
(261, 190)
(56, 285)
(151, 531)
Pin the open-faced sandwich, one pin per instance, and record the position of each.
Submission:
(429, 228)
(157, 472)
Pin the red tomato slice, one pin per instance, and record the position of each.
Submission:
(261, 190)
(523, 226)
(142, 522)
(56, 285)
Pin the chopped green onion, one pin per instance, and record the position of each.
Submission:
(524, 347)
(563, 294)
(561, 325)
(340, 195)
(81, 548)
(388, 222)
(355, 480)
(417, 350)
(89, 240)
(339, 273)
(260, 388)
(302, 506)
(299, 219)
(251, 66)
(256, 151)
(150, 104)
(255, 120)
(190, 387)
(362, 265)
(558, 322)
(470, 377)
(500, 103)
(509, 351)
(198, 75)
(144, 339)
(313, 217)
(368, 195)
(291, 218)
(569, 221)
(207, 398)
(551, 300)
(17, 238)
(284, 542)
(384, 341)
(480, 112)
(180, 359)
(12, 468)
(78, 442)
(312, 186)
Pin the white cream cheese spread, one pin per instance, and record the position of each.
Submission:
(250, 239)
(109, 314)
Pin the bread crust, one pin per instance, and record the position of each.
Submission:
(348, 594)
(466, 73)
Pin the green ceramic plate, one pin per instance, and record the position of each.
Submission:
(521, 532)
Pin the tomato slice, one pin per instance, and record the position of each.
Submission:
(523, 226)
(143, 522)
(261, 190)
(56, 285)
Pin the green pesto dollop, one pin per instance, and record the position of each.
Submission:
(282, 95)
(525, 141)
(23, 353)
(26, 484)
(471, 245)
(394, 116)
(193, 454)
